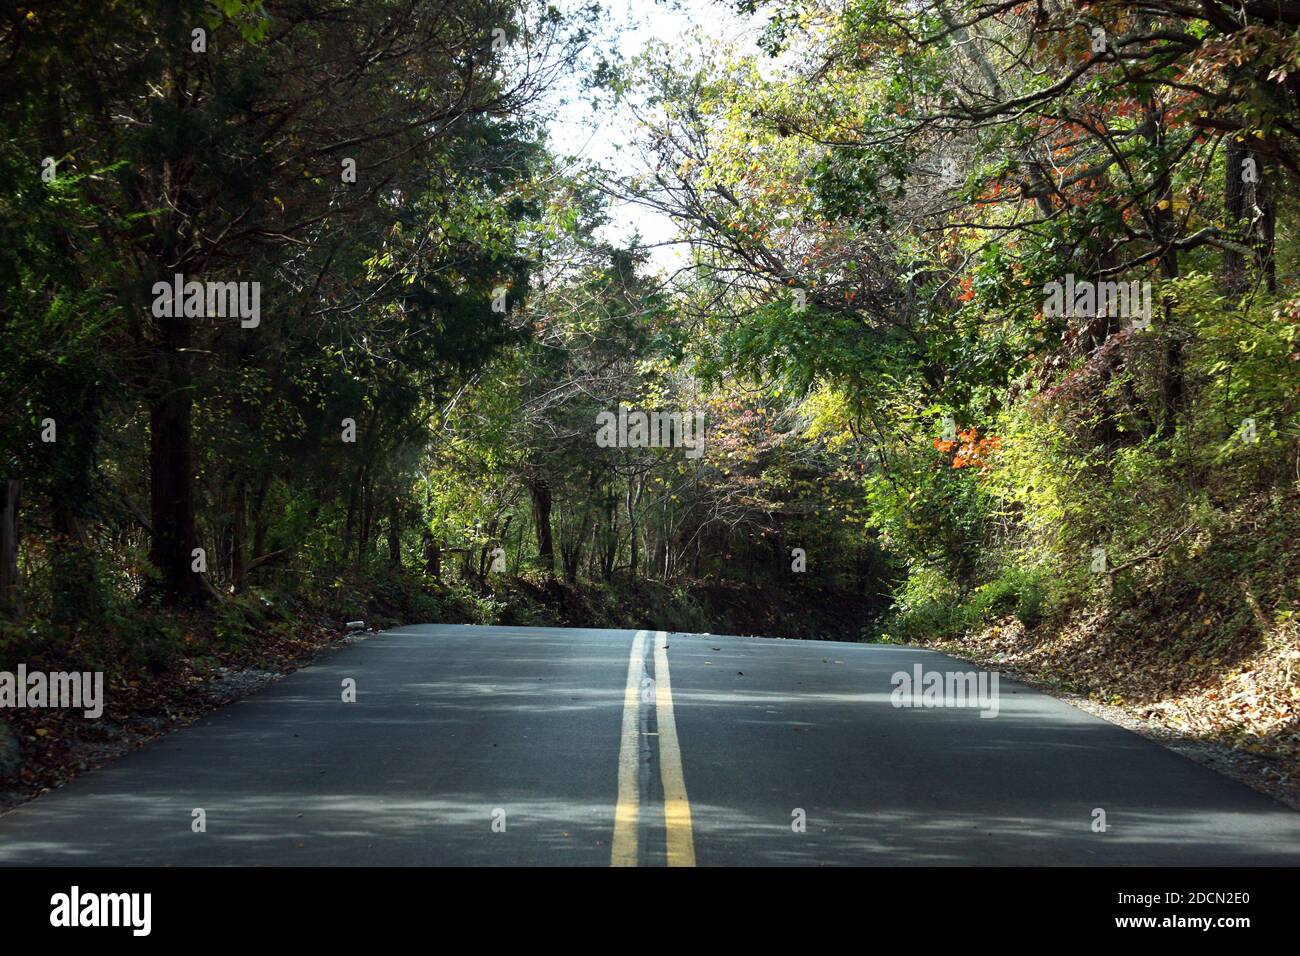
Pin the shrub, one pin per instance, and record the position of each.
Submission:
(145, 638)
(1015, 591)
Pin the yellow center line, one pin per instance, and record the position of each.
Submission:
(677, 809)
(623, 851)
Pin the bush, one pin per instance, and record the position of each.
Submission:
(145, 639)
(926, 605)
(233, 623)
(1014, 591)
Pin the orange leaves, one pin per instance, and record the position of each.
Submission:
(967, 289)
(971, 450)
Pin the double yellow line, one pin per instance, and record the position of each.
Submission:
(677, 808)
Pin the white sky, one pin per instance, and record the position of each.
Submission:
(576, 131)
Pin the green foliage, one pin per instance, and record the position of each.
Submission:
(237, 621)
(139, 639)
(926, 607)
(1015, 591)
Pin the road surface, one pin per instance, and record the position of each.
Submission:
(563, 746)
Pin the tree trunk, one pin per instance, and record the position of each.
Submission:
(432, 556)
(171, 471)
(1265, 231)
(10, 597)
(394, 535)
(610, 554)
(488, 537)
(259, 514)
(367, 517)
(572, 552)
(1234, 206)
(350, 524)
(634, 494)
(1173, 387)
(239, 532)
(540, 492)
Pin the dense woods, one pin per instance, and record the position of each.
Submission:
(987, 312)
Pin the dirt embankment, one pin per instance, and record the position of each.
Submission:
(1198, 647)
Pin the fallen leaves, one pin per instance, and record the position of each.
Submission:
(1251, 703)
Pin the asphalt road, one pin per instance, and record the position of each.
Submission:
(540, 746)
